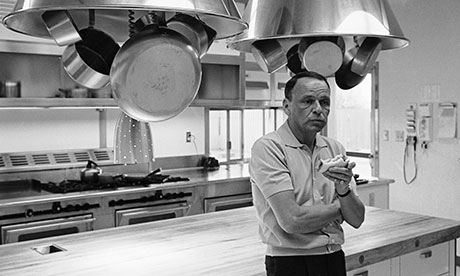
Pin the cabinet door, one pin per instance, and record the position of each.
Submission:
(374, 195)
(379, 269)
(431, 261)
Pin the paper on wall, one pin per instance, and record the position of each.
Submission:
(447, 120)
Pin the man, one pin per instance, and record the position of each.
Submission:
(300, 209)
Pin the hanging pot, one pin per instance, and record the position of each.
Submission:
(323, 55)
(61, 27)
(132, 141)
(197, 32)
(294, 64)
(88, 61)
(269, 54)
(155, 75)
(357, 63)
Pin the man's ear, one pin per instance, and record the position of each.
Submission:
(286, 107)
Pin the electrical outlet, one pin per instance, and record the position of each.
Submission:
(399, 134)
(188, 137)
(386, 135)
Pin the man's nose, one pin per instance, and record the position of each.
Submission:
(317, 106)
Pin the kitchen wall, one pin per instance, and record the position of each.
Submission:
(432, 60)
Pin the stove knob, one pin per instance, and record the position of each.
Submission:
(77, 207)
(29, 213)
(181, 195)
(168, 196)
(112, 203)
(120, 202)
(56, 208)
(86, 206)
(144, 199)
(158, 195)
(69, 208)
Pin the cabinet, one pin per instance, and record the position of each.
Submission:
(264, 89)
(222, 83)
(436, 260)
(379, 269)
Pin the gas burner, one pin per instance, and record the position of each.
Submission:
(67, 186)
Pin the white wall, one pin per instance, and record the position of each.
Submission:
(432, 58)
(42, 129)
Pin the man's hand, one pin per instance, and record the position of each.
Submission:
(341, 175)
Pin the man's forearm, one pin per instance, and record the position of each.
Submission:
(352, 210)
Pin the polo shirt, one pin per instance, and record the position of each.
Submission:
(279, 162)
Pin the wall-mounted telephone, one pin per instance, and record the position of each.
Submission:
(425, 123)
(411, 128)
(411, 141)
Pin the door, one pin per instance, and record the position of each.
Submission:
(46, 228)
(151, 213)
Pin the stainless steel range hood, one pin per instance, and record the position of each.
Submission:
(112, 15)
(280, 25)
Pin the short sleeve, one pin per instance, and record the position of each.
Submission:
(268, 169)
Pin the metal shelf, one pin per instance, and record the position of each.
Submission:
(70, 103)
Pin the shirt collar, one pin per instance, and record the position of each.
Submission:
(290, 140)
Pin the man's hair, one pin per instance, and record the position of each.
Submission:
(302, 74)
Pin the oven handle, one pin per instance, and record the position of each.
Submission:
(124, 216)
(15, 231)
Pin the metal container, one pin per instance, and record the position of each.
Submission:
(12, 89)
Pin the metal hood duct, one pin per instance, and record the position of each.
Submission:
(275, 27)
(112, 15)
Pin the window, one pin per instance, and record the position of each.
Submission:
(232, 132)
(353, 122)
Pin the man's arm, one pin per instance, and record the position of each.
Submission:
(294, 218)
(350, 205)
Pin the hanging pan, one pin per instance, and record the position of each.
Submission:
(61, 27)
(197, 32)
(323, 55)
(88, 61)
(357, 63)
(155, 75)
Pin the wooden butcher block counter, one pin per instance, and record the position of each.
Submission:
(221, 243)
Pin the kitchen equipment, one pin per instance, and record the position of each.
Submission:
(12, 89)
(88, 61)
(197, 32)
(358, 61)
(46, 203)
(294, 63)
(61, 27)
(323, 55)
(290, 21)
(132, 141)
(269, 55)
(221, 15)
(155, 75)
(79, 92)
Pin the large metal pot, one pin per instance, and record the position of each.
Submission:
(198, 33)
(61, 27)
(155, 75)
(323, 55)
(88, 61)
(357, 63)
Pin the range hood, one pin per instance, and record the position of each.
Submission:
(276, 27)
(112, 16)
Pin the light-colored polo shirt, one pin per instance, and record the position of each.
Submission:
(279, 162)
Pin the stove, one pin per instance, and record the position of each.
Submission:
(57, 201)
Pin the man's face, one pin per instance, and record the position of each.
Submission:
(309, 105)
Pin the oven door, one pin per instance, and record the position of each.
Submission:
(221, 203)
(46, 228)
(151, 213)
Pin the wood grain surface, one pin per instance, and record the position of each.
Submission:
(222, 243)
